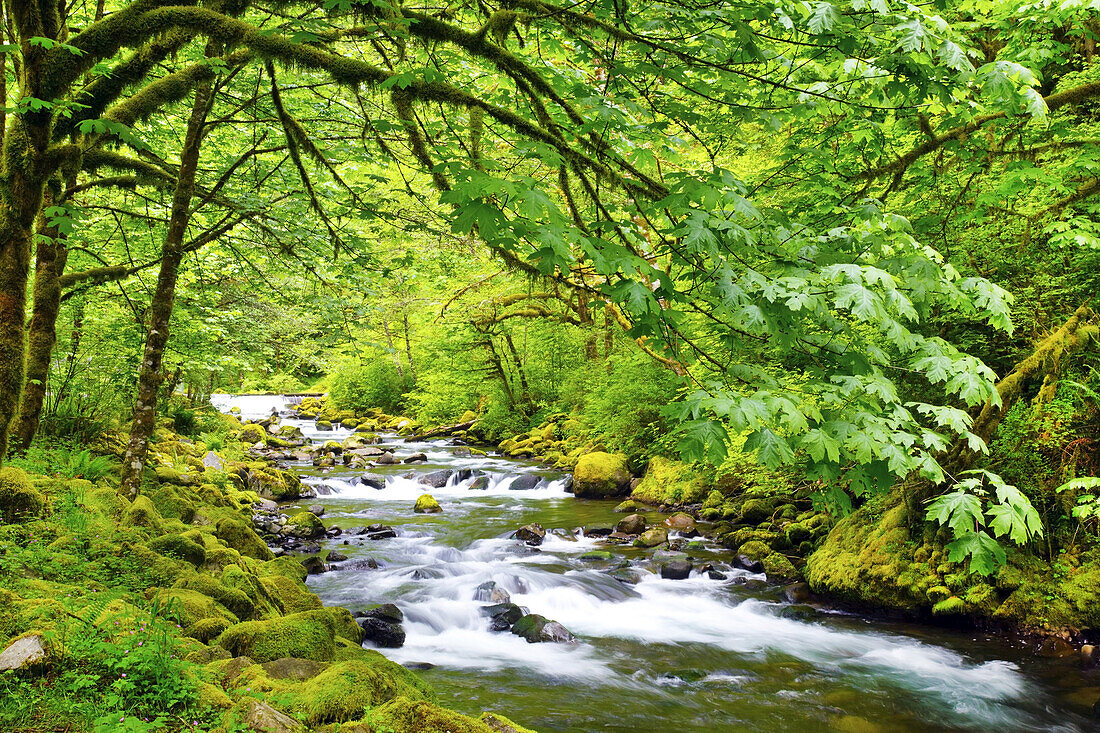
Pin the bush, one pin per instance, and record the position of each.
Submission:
(361, 387)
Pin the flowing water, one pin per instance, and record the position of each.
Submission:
(652, 655)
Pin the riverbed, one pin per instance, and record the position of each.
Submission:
(706, 653)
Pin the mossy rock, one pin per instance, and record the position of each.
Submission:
(501, 724)
(286, 566)
(189, 607)
(347, 690)
(950, 606)
(157, 569)
(755, 511)
(306, 525)
(670, 482)
(274, 484)
(207, 629)
(179, 547)
(426, 504)
(779, 569)
(601, 475)
(309, 635)
(142, 513)
(714, 500)
(419, 716)
(19, 500)
(242, 538)
(292, 594)
(169, 475)
(629, 507)
(252, 434)
(236, 601)
(755, 550)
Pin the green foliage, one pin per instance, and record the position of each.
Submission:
(365, 386)
(970, 510)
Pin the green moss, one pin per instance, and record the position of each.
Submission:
(347, 690)
(426, 504)
(309, 635)
(346, 626)
(178, 547)
(292, 594)
(670, 482)
(207, 629)
(779, 569)
(305, 524)
(950, 606)
(242, 538)
(169, 475)
(156, 568)
(252, 434)
(142, 513)
(264, 604)
(601, 475)
(19, 500)
(238, 602)
(418, 716)
(499, 723)
(286, 566)
(755, 550)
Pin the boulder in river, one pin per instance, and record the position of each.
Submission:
(490, 592)
(380, 532)
(386, 459)
(675, 569)
(416, 458)
(426, 504)
(437, 479)
(628, 507)
(502, 615)
(601, 475)
(532, 534)
(480, 483)
(305, 525)
(317, 510)
(681, 521)
(314, 565)
(598, 530)
(386, 612)
(536, 629)
(524, 482)
(383, 633)
(631, 524)
(373, 480)
(652, 537)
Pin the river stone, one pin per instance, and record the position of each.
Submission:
(480, 483)
(632, 524)
(798, 612)
(437, 479)
(212, 461)
(373, 480)
(676, 570)
(416, 458)
(26, 652)
(532, 534)
(490, 592)
(681, 521)
(368, 451)
(386, 459)
(652, 537)
(751, 564)
(314, 565)
(598, 530)
(385, 634)
(626, 575)
(336, 556)
(797, 593)
(380, 532)
(596, 556)
(525, 482)
(537, 629)
(317, 510)
(627, 507)
(386, 612)
(502, 615)
(426, 504)
(263, 718)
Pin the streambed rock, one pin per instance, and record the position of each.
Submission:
(524, 483)
(382, 626)
(416, 458)
(426, 504)
(532, 534)
(676, 570)
(538, 629)
(502, 615)
(490, 592)
(652, 537)
(373, 480)
(437, 479)
(632, 524)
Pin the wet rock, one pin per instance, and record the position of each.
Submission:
(386, 612)
(480, 483)
(437, 479)
(619, 538)
(426, 504)
(1090, 654)
(373, 480)
(532, 534)
(382, 633)
(490, 592)
(502, 615)
(598, 530)
(681, 522)
(336, 556)
(601, 475)
(368, 564)
(631, 524)
(538, 629)
(525, 482)
(416, 458)
(317, 510)
(798, 612)
(676, 570)
(687, 675)
(23, 653)
(628, 507)
(596, 556)
(751, 564)
(797, 593)
(386, 459)
(716, 574)
(626, 575)
(263, 718)
(314, 565)
(380, 532)
(652, 537)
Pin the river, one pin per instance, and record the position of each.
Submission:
(698, 654)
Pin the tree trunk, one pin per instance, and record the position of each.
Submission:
(408, 348)
(525, 389)
(50, 256)
(149, 374)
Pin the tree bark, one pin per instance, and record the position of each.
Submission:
(149, 374)
(50, 256)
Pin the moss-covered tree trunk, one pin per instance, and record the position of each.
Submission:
(156, 339)
(51, 254)
(25, 164)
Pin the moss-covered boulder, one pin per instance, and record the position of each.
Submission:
(426, 504)
(601, 475)
(19, 500)
(419, 716)
(305, 525)
(670, 482)
(179, 547)
(242, 538)
(142, 513)
(309, 635)
(347, 690)
(252, 434)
